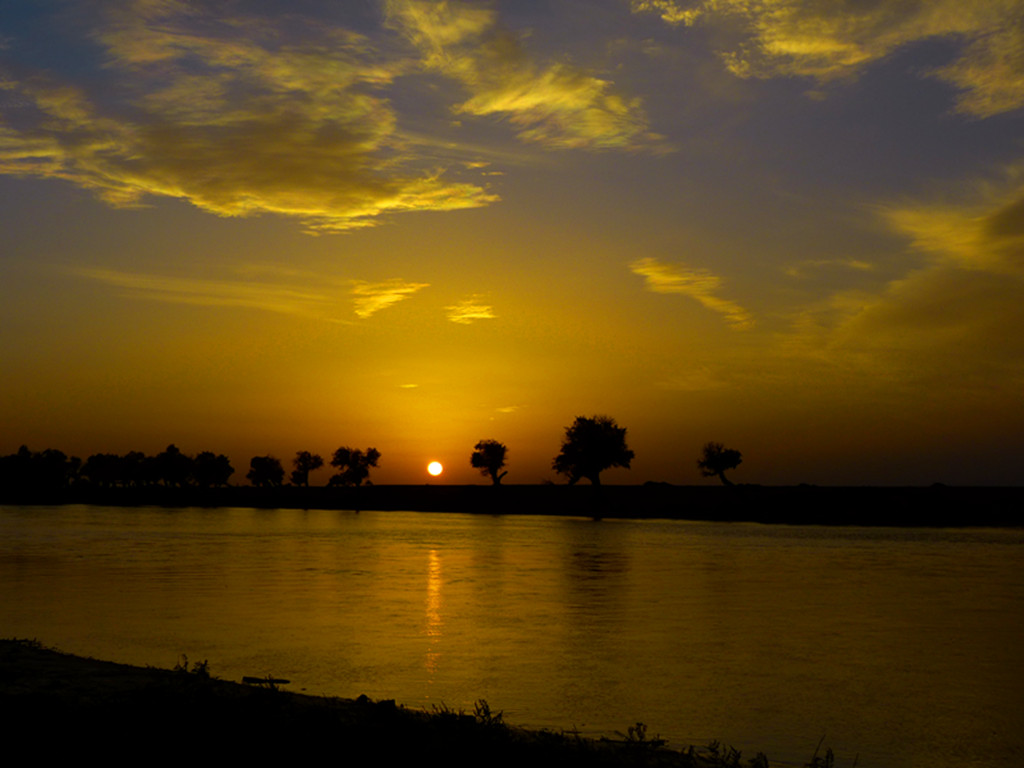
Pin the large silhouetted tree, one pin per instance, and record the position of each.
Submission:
(265, 471)
(716, 458)
(353, 465)
(489, 457)
(304, 463)
(592, 445)
(211, 469)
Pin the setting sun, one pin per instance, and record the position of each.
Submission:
(435, 468)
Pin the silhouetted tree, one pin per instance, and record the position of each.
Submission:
(489, 457)
(13, 468)
(304, 463)
(353, 465)
(49, 469)
(175, 467)
(265, 471)
(592, 445)
(716, 458)
(211, 469)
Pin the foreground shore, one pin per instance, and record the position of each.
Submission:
(65, 706)
(935, 506)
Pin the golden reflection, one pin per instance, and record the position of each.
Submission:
(434, 621)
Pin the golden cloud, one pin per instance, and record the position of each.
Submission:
(469, 311)
(958, 317)
(227, 114)
(984, 231)
(699, 284)
(371, 298)
(669, 10)
(559, 106)
(832, 40)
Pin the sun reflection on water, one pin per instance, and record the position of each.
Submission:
(434, 622)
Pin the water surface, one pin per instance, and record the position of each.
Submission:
(900, 645)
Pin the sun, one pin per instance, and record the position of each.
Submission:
(435, 468)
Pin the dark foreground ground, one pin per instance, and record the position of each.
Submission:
(57, 706)
(937, 506)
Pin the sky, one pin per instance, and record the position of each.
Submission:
(262, 227)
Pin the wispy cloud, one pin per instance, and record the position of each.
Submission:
(557, 105)
(269, 297)
(837, 40)
(807, 266)
(286, 292)
(983, 229)
(469, 311)
(952, 316)
(371, 298)
(699, 284)
(231, 113)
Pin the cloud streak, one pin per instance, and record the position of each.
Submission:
(288, 298)
(371, 298)
(699, 284)
(268, 297)
(469, 311)
(982, 231)
(954, 316)
(556, 105)
(831, 41)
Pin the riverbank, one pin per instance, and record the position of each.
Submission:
(67, 706)
(933, 506)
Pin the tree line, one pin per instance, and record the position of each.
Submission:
(591, 445)
(172, 469)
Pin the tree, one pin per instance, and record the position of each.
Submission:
(104, 469)
(211, 469)
(716, 458)
(133, 466)
(304, 463)
(592, 445)
(353, 465)
(489, 457)
(265, 471)
(40, 469)
(175, 467)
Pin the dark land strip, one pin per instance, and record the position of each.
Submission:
(932, 506)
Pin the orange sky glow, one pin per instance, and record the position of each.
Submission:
(793, 228)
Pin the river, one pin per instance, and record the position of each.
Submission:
(902, 647)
